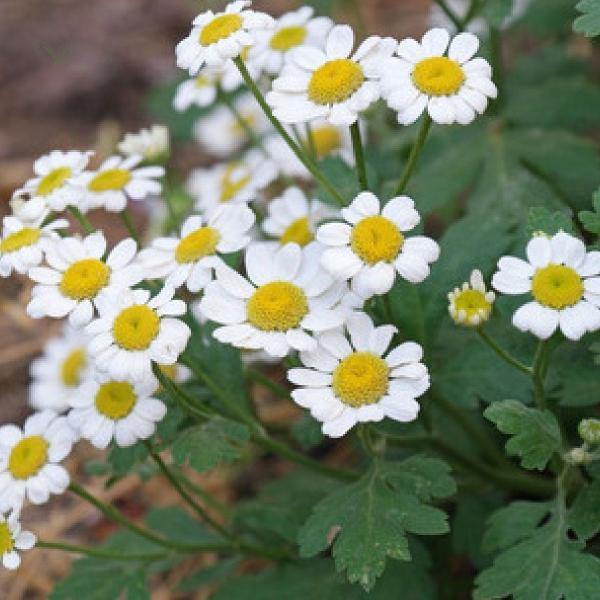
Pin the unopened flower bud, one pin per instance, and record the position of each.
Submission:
(589, 431)
(577, 456)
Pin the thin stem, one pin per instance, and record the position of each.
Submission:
(114, 515)
(100, 552)
(166, 471)
(128, 222)
(243, 123)
(188, 403)
(450, 14)
(414, 154)
(359, 156)
(503, 354)
(538, 375)
(82, 220)
(279, 390)
(298, 151)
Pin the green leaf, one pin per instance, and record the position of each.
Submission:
(541, 219)
(176, 524)
(584, 516)
(341, 176)
(535, 433)
(589, 219)
(312, 579)
(589, 22)
(220, 571)
(574, 376)
(367, 521)
(307, 432)
(207, 445)
(496, 11)
(538, 562)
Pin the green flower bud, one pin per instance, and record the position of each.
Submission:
(589, 431)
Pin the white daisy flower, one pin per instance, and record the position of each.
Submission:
(29, 459)
(371, 247)
(333, 84)
(564, 281)
(134, 330)
(351, 381)
(13, 538)
(291, 218)
(54, 174)
(285, 298)
(107, 409)
(58, 373)
(471, 304)
(116, 180)
(215, 38)
(76, 275)
(220, 132)
(152, 144)
(191, 257)
(293, 29)
(235, 181)
(23, 243)
(453, 88)
(198, 91)
(328, 140)
(29, 211)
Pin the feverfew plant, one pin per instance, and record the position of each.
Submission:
(397, 249)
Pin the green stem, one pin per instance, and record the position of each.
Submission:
(243, 123)
(175, 391)
(172, 479)
(100, 552)
(128, 222)
(503, 354)
(209, 499)
(82, 220)
(359, 156)
(310, 140)
(279, 390)
(471, 14)
(298, 151)
(450, 14)
(538, 374)
(414, 154)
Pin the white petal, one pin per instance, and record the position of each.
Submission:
(539, 251)
(435, 42)
(463, 47)
(340, 42)
(340, 425)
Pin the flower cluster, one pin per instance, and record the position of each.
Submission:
(276, 267)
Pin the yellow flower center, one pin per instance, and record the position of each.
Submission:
(220, 28)
(335, 81)
(557, 286)
(239, 130)
(197, 245)
(84, 279)
(201, 81)
(438, 76)
(229, 186)
(472, 302)
(326, 140)
(27, 236)
(361, 378)
(376, 239)
(28, 457)
(135, 327)
(277, 306)
(298, 232)
(53, 180)
(111, 179)
(6, 541)
(72, 366)
(115, 399)
(288, 37)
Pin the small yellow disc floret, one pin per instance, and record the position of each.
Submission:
(72, 366)
(298, 232)
(470, 307)
(6, 541)
(115, 399)
(438, 76)
(135, 327)
(326, 139)
(288, 37)
(360, 379)
(376, 239)
(28, 457)
(53, 181)
(111, 179)
(197, 245)
(27, 236)
(229, 186)
(277, 306)
(84, 279)
(220, 28)
(335, 81)
(557, 286)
